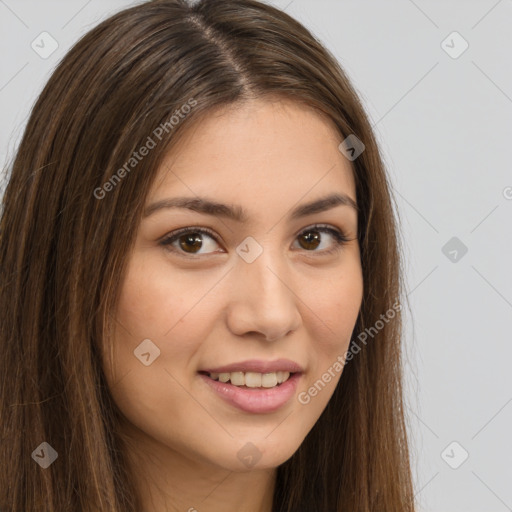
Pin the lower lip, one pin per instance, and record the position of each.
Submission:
(256, 400)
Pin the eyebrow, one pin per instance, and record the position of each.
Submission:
(237, 213)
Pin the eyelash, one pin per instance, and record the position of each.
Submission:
(339, 238)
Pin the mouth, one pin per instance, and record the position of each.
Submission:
(256, 386)
(251, 380)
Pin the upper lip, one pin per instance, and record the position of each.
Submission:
(258, 366)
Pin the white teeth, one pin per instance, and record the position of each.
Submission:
(282, 376)
(269, 380)
(237, 378)
(252, 379)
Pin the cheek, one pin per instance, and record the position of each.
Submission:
(150, 317)
(336, 306)
(150, 300)
(163, 312)
(157, 303)
(160, 324)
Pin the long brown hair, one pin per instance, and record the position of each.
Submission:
(63, 251)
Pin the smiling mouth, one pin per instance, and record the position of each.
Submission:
(251, 380)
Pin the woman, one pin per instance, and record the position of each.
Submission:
(201, 276)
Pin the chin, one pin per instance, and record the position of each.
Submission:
(258, 454)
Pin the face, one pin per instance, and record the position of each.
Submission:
(209, 297)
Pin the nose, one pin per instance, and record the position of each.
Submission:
(262, 299)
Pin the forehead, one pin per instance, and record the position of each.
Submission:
(257, 153)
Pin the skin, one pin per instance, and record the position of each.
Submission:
(209, 307)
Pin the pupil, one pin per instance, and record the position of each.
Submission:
(313, 241)
(193, 239)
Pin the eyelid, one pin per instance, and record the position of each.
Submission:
(189, 229)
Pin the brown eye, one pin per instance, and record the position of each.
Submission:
(190, 241)
(200, 241)
(311, 238)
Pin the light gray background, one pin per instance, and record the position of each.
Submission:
(444, 125)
